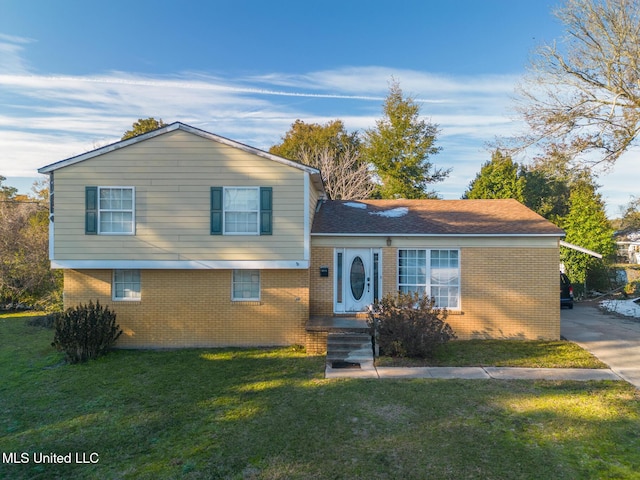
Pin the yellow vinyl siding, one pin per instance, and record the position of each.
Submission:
(172, 175)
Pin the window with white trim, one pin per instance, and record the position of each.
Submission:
(116, 212)
(126, 285)
(246, 285)
(432, 272)
(241, 210)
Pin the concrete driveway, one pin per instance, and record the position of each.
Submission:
(614, 340)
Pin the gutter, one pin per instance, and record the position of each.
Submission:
(580, 249)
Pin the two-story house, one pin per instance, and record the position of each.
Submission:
(195, 240)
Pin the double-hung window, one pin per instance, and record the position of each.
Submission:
(126, 285)
(241, 211)
(246, 285)
(115, 210)
(431, 272)
(110, 211)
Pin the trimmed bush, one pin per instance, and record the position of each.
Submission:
(85, 332)
(409, 325)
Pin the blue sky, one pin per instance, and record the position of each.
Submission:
(74, 75)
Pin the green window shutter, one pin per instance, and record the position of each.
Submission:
(91, 210)
(216, 210)
(266, 210)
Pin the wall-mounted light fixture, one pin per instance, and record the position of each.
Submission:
(388, 241)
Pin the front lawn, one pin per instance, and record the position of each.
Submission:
(502, 353)
(270, 414)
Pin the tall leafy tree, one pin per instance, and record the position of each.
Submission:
(332, 150)
(498, 178)
(315, 137)
(586, 225)
(143, 125)
(630, 221)
(399, 148)
(547, 184)
(584, 91)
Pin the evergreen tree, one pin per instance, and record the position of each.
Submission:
(586, 225)
(399, 148)
(498, 178)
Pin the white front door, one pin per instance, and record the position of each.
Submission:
(355, 279)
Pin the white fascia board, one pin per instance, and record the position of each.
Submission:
(108, 148)
(182, 264)
(170, 128)
(307, 218)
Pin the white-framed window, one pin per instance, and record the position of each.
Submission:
(245, 285)
(432, 272)
(241, 210)
(116, 210)
(126, 285)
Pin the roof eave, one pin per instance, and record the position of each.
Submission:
(169, 128)
(396, 234)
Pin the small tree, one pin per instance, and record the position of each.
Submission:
(85, 332)
(409, 325)
(143, 125)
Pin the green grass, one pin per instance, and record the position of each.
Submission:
(270, 414)
(502, 353)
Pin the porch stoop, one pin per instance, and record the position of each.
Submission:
(349, 350)
(319, 326)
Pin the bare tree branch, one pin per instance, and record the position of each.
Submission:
(345, 176)
(586, 95)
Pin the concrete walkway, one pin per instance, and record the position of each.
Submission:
(614, 340)
(501, 373)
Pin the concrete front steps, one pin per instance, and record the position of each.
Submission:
(349, 349)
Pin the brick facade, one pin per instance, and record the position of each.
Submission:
(193, 308)
(509, 293)
(321, 288)
(505, 292)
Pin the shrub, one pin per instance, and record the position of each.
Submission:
(85, 332)
(409, 325)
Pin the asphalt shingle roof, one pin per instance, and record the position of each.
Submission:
(430, 217)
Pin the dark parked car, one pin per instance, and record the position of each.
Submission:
(566, 292)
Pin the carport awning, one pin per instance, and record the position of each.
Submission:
(580, 249)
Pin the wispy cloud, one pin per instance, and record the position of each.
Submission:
(47, 117)
(11, 59)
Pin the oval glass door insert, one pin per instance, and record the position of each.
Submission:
(356, 278)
